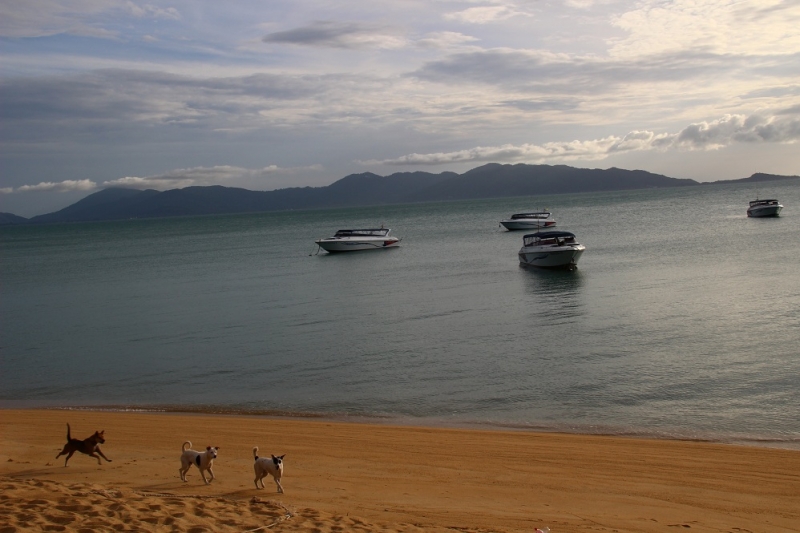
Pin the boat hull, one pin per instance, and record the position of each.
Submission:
(356, 245)
(513, 225)
(551, 257)
(764, 211)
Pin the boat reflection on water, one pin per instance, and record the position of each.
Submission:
(554, 295)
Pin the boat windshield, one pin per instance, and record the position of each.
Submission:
(382, 232)
(542, 214)
(763, 202)
(544, 238)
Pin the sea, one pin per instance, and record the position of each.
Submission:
(682, 320)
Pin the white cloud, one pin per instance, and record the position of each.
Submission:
(50, 186)
(174, 179)
(482, 14)
(580, 4)
(185, 177)
(446, 40)
(151, 11)
(724, 131)
(717, 26)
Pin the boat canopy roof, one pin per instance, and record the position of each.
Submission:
(763, 202)
(536, 214)
(555, 234)
(380, 232)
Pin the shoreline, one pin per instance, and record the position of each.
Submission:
(369, 477)
(788, 443)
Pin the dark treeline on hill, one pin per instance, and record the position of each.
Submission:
(488, 181)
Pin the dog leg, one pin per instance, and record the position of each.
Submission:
(71, 452)
(280, 487)
(101, 453)
(212, 473)
(204, 476)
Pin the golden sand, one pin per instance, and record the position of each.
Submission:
(367, 477)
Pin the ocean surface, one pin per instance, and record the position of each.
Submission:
(682, 320)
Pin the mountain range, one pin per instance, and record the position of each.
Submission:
(488, 181)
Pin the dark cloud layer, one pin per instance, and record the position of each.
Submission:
(556, 73)
(335, 35)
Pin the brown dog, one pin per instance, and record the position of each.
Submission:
(89, 446)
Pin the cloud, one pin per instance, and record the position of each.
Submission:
(739, 128)
(483, 14)
(94, 103)
(151, 11)
(445, 40)
(49, 186)
(715, 134)
(552, 72)
(40, 18)
(174, 179)
(718, 26)
(330, 34)
(185, 177)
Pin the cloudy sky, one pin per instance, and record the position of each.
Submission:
(270, 94)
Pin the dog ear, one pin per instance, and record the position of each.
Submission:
(208, 447)
(282, 456)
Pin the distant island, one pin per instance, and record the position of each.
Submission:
(488, 181)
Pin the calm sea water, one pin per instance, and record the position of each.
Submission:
(682, 320)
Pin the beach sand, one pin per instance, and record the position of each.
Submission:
(371, 477)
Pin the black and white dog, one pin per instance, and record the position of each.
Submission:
(265, 466)
(203, 460)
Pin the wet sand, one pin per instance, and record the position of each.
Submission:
(370, 477)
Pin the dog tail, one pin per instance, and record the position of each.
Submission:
(68, 436)
(183, 448)
(255, 452)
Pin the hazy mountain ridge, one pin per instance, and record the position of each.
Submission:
(488, 181)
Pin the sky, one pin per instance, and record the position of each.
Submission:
(272, 94)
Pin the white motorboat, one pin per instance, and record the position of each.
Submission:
(550, 249)
(764, 208)
(350, 240)
(533, 220)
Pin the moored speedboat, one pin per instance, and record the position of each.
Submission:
(764, 208)
(351, 240)
(533, 220)
(550, 249)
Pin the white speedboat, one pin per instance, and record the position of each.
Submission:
(764, 208)
(550, 249)
(533, 220)
(350, 240)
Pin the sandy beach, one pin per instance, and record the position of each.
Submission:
(369, 477)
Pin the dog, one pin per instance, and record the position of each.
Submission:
(89, 446)
(264, 466)
(203, 460)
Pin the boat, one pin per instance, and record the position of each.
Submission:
(351, 240)
(551, 249)
(533, 220)
(764, 208)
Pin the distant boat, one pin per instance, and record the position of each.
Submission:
(351, 240)
(532, 220)
(551, 249)
(764, 208)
